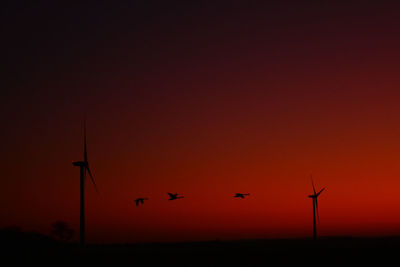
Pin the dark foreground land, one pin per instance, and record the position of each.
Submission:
(22, 249)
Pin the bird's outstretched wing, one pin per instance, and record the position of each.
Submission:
(137, 202)
(171, 195)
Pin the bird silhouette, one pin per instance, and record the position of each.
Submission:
(241, 195)
(140, 200)
(174, 196)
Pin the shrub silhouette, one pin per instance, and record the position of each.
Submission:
(61, 231)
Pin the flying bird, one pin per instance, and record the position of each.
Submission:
(140, 200)
(174, 196)
(241, 195)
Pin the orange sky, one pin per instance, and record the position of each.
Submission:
(222, 101)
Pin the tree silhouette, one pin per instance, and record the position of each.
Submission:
(61, 231)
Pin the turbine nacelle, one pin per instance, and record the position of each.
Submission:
(79, 163)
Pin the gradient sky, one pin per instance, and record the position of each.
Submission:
(206, 100)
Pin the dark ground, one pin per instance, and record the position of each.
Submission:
(26, 249)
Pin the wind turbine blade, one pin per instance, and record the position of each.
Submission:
(91, 178)
(321, 191)
(312, 182)
(316, 208)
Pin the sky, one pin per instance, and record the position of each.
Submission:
(206, 100)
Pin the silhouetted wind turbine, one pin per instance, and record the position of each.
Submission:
(315, 208)
(241, 195)
(140, 200)
(84, 167)
(174, 196)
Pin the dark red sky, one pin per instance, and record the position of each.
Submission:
(206, 100)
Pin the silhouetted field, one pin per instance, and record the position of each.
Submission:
(24, 249)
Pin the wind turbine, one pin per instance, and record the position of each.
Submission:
(315, 208)
(84, 167)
